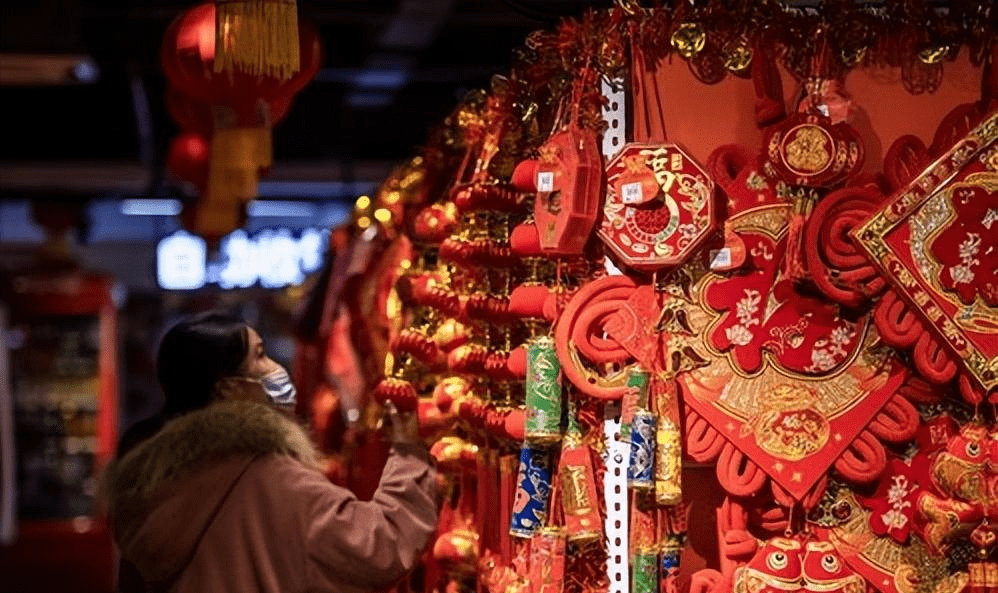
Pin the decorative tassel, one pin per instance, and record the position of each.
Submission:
(239, 156)
(794, 257)
(543, 392)
(257, 37)
(533, 492)
(547, 560)
(579, 496)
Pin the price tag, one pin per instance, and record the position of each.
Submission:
(545, 181)
(631, 193)
(720, 259)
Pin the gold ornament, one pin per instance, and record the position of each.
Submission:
(689, 39)
(852, 56)
(933, 54)
(738, 56)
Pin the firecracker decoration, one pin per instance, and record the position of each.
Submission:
(811, 326)
(543, 388)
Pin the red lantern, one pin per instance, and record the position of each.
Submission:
(188, 159)
(240, 117)
(191, 114)
(188, 55)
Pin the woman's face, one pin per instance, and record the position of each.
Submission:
(257, 362)
(260, 378)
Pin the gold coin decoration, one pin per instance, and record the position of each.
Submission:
(689, 39)
(738, 56)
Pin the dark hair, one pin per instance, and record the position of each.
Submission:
(194, 354)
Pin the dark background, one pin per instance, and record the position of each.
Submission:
(391, 70)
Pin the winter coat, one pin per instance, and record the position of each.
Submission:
(229, 499)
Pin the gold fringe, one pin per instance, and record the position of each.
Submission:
(258, 37)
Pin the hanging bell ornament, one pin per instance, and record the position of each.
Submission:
(689, 39)
(738, 57)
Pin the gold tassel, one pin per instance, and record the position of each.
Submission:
(238, 155)
(257, 37)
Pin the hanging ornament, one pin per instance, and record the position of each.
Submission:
(547, 560)
(543, 388)
(738, 56)
(258, 37)
(934, 54)
(580, 501)
(641, 468)
(659, 204)
(567, 181)
(689, 39)
(533, 492)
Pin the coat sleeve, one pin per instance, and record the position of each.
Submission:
(371, 544)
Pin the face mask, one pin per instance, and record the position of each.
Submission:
(279, 389)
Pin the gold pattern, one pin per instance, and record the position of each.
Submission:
(806, 149)
(689, 39)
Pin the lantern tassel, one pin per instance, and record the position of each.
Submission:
(257, 37)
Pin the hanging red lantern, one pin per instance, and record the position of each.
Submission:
(188, 59)
(196, 116)
(240, 101)
(188, 159)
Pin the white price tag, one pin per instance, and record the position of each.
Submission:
(720, 259)
(545, 181)
(632, 193)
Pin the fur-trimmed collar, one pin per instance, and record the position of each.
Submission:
(221, 430)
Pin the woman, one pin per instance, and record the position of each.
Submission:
(227, 496)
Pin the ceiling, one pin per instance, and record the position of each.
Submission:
(392, 69)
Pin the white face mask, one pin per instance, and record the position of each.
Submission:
(279, 388)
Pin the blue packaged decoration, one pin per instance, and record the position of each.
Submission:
(533, 491)
(641, 470)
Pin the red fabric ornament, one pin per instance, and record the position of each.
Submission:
(927, 241)
(894, 505)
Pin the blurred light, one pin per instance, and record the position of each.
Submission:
(313, 189)
(181, 262)
(281, 209)
(363, 203)
(382, 215)
(151, 207)
(86, 71)
(363, 222)
(274, 258)
(375, 78)
(369, 99)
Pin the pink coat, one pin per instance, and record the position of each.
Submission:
(228, 499)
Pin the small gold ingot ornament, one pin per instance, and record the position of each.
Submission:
(689, 39)
(933, 54)
(738, 57)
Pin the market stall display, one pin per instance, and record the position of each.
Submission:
(811, 319)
